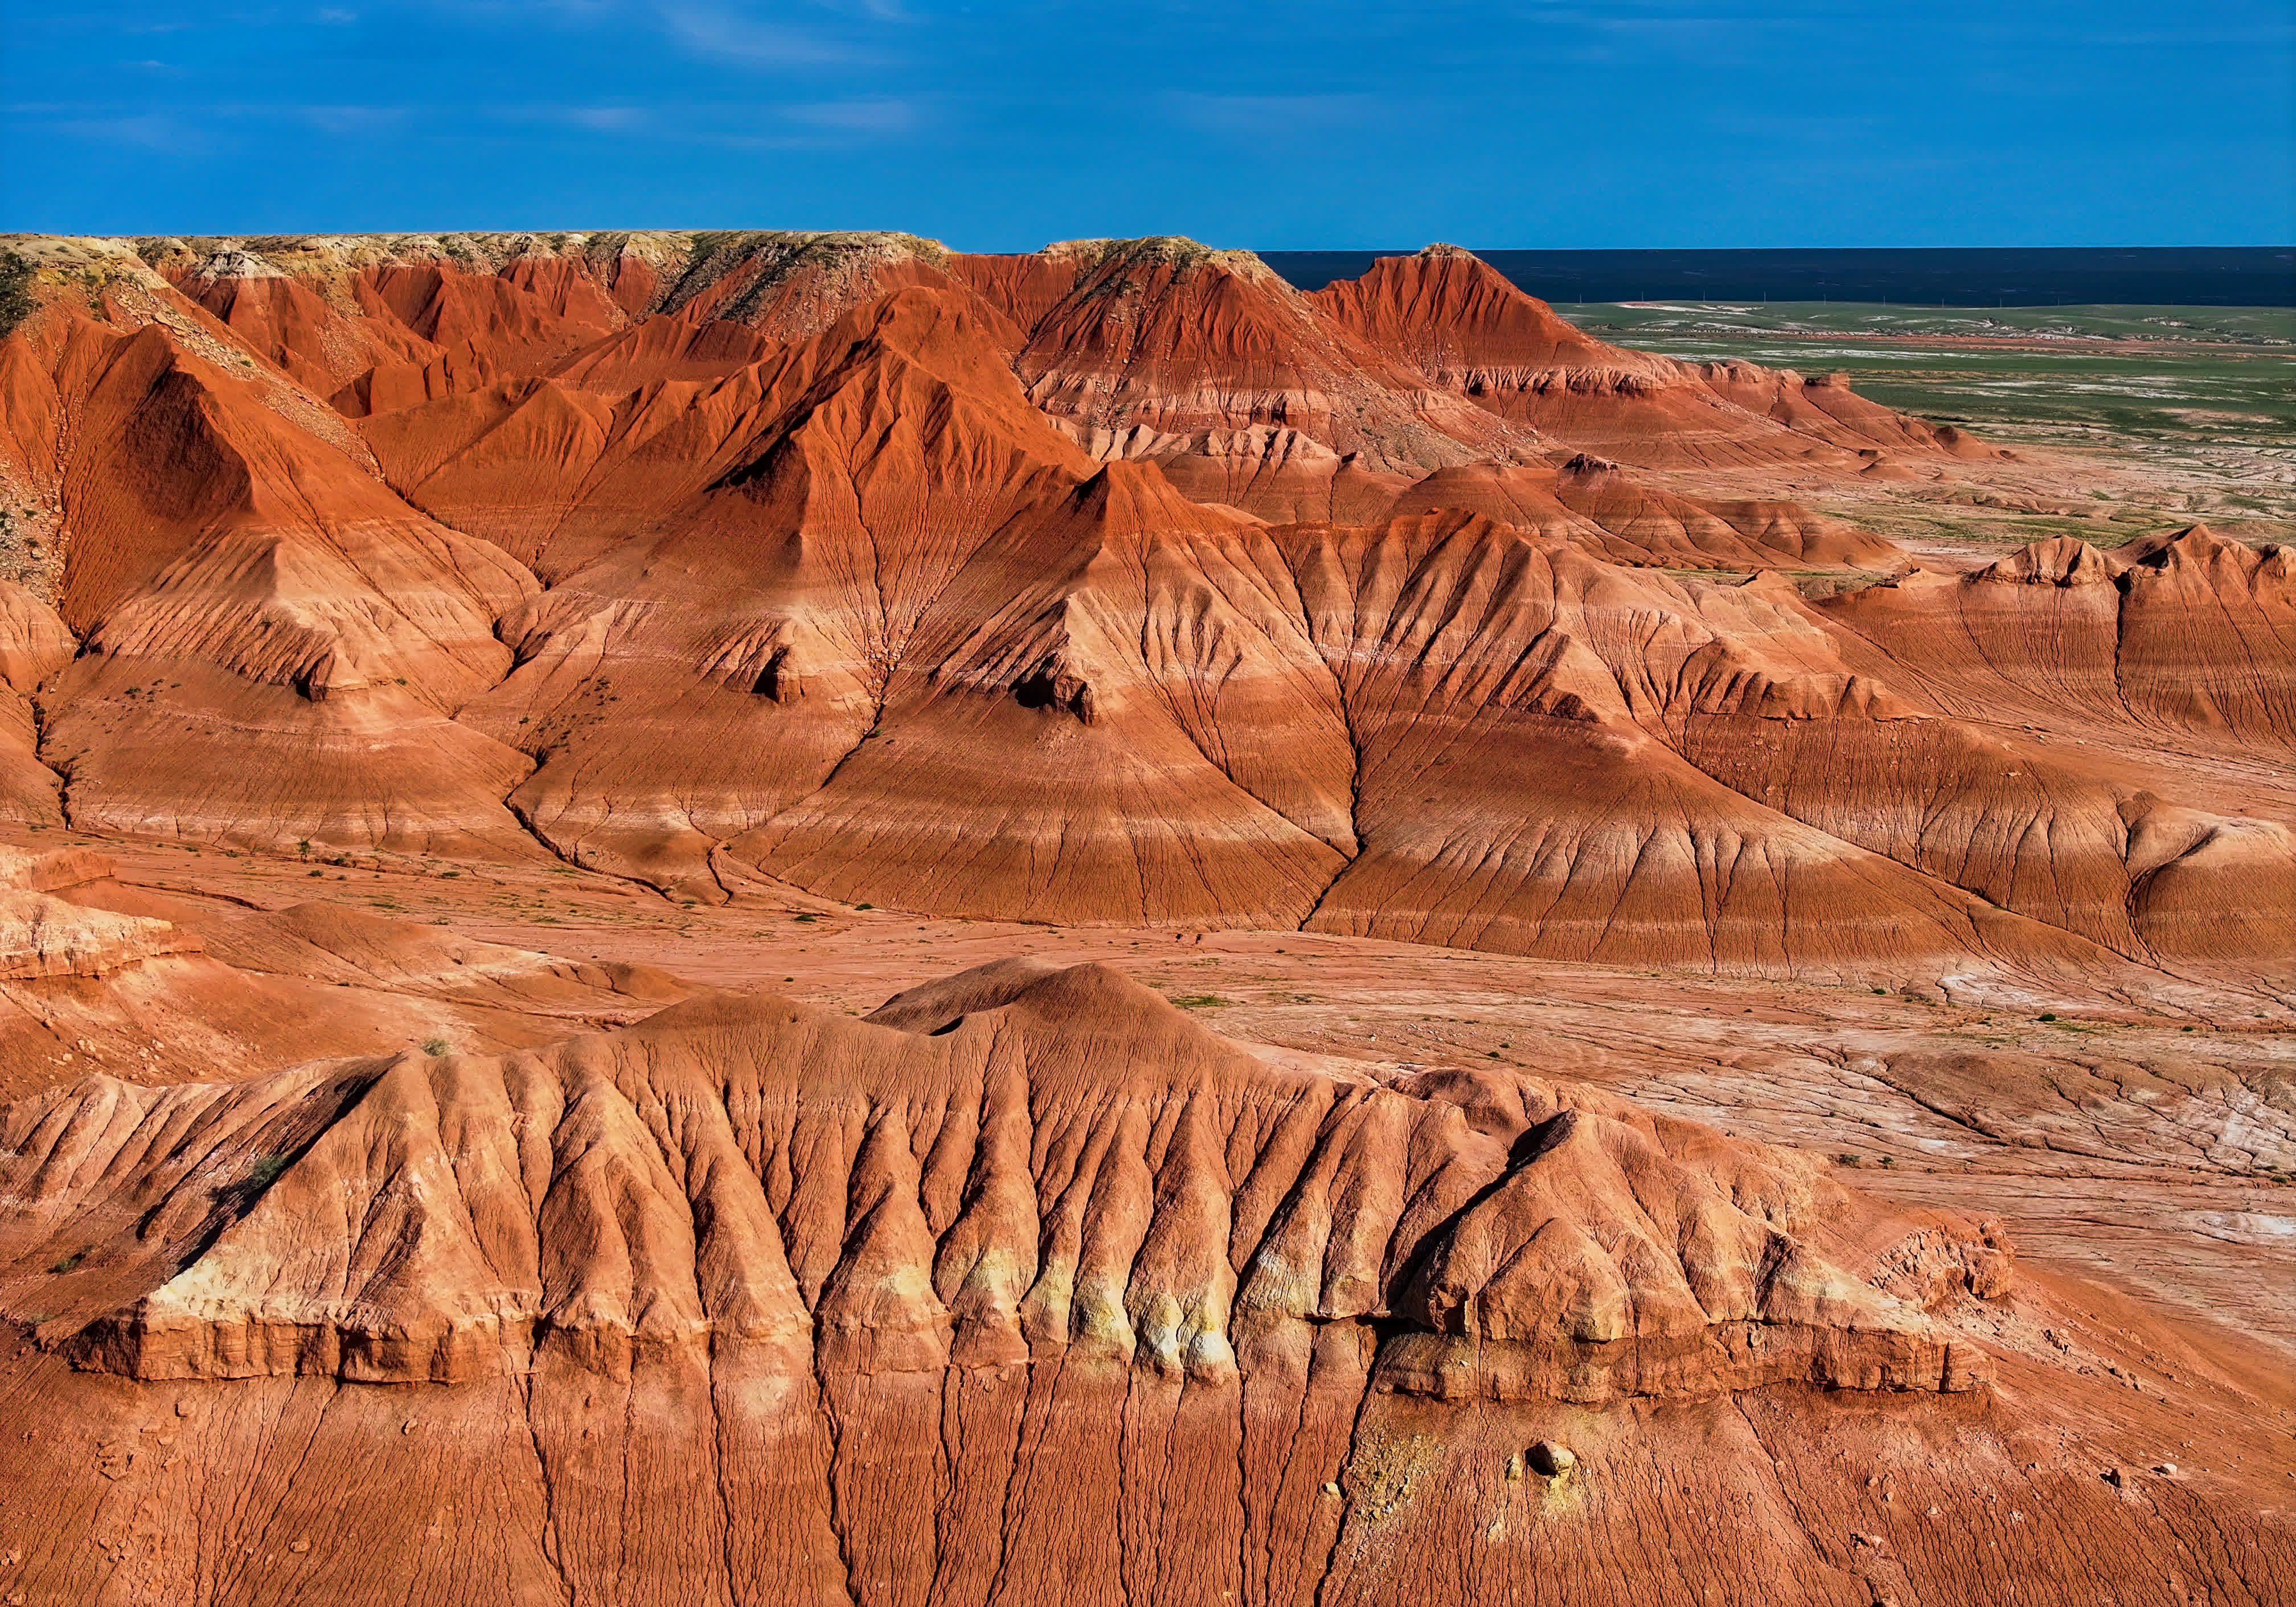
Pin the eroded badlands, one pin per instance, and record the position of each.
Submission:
(763, 917)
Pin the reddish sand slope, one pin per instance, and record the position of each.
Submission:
(270, 642)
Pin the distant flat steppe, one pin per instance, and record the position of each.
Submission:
(2204, 396)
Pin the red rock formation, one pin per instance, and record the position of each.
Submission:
(891, 1208)
(1461, 322)
(1591, 503)
(1119, 692)
(246, 589)
(1170, 336)
(718, 1304)
(681, 689)
(843, 612)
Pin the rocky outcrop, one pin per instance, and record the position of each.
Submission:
(1034, 1165)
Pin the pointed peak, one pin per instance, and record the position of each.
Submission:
(2059, 561)
(1134, 495)
(2196, 546)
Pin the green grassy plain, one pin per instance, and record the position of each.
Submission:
(2207, 394)
(2188, 373)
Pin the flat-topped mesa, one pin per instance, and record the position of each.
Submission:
(1176, 252)
(1018, 1164)
(374, 320)
(789, 286)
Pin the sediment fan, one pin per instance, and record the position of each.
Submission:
(1120, 583)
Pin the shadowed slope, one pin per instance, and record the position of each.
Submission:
(1114, 715)
(692, 681)
(273, 641)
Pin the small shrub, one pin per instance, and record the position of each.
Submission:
(1200, 1001)
(2047, 1016)
(71, 1260)
(265, 1170)
(434, 1046)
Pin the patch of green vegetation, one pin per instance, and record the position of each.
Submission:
(435, 1047)
(1200, 1001)
(264, 1170)
(17, 302)
(71, 1260)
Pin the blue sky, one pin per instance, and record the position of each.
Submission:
(1002, 124)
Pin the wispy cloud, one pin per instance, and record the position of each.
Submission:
(145, 131)
(347, 121)
(719, 35)
(606, 120)
(881, 115)
(1267, 117)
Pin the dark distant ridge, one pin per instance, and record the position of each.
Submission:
(2011, 277)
